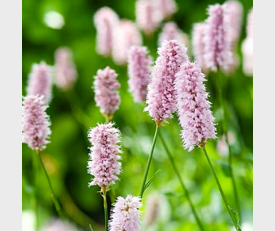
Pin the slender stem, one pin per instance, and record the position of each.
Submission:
(148, 163)
(55, 201)
(221, 191)
(34, 162)
(105, 210)
(181, 183)
(230, 157)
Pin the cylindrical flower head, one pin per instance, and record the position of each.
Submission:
(249, 28)
(106, 91)
(65, 71)
(198, 44)
(217, 44)
(105, 20)
(170, 31)
(58, 225)
(147, 18)
(194, 112)
(35, 123)
(165, 7)
(126, 35)
(40, 81)
(234, 19)
(139, 62)
(161, 97)
(125, 214)
(104, 162)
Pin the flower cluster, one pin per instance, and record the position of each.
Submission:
(194, 112)
(40, 81)
(106, 94)
(125, 214)
(161, 95)
(35, 123)
(104, 162)
(139, 62)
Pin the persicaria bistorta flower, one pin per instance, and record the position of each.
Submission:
(106, 95)
(217, 44)
(105, 20)
(194, 112)
(165, 7)
(35, 123)
(40, 81)
(198, 43)
(104, 162)
(170, 31)
(126, 35)
(125, 214)
(161, 97)
(65, 71)
(147, 18)
(139, 62)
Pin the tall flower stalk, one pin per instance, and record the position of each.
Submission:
(196, 117)
(185, 190)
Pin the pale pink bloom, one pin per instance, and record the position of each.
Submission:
(217, 43)
(153, 207)
(106, 91)
(165, 7)
(161, 97)
(126, 34)
(247, 46)
(170, 31)
(234, 19)
(194, 112)
(40, 81)
(198, 44)
(65, 71)
(35, 123)
(125, 214)
(222, 146)
(247, 50)
(147, 18)
(105, 20)
(104, 162)
(139, 68)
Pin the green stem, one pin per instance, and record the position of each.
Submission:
(225, 131)
(222, 193)
(148, 163)
(105, 210)
(181, 183)
(34, 162)
(56, 203)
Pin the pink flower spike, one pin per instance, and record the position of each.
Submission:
(139, 65)
(40, 81)
(170, 31)
(103, 163)
(198, 44)
(217, 44)
(35, 123)
(234, 19)
(249, 27)
(105, 20)
(126, 35)
(66, 74)
(147, 17)
(161, 95)
(106, 94)
(125, 214)
(194, 112)
(165, 7)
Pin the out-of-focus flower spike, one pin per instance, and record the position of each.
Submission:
(139, 65)
(165, 7)
(105, 20)
(40, 81)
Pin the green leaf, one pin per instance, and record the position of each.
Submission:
(148, 183)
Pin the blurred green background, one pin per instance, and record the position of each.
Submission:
(67, 154)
